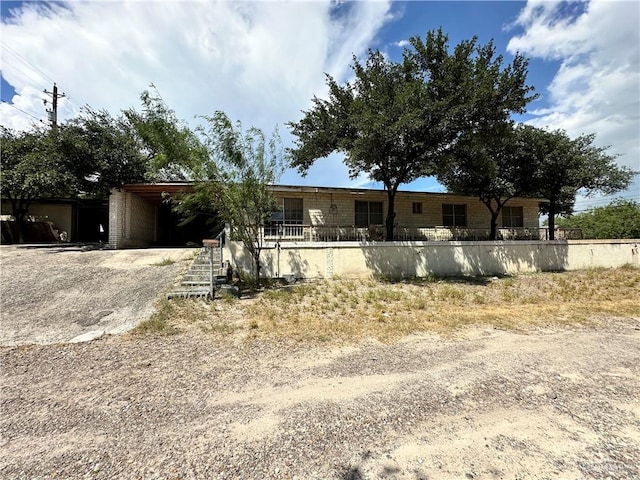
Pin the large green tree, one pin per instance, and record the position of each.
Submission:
(86, 156)
(395, 121)
(171, 148)
(100, 151)
(492, 165)
(566, 166)
(619, 219)
(30, 168)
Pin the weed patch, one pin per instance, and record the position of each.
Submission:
(348, 310)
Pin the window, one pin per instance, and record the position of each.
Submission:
(293, 213)
(512, 217)
(417, 207)
(454, 215)
(289, 212)
(368, 213)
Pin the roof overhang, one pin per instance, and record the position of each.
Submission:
(157, 192)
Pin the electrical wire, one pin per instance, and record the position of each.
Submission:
(23, 111)
(26, 62)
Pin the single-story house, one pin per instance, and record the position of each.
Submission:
(139, 216)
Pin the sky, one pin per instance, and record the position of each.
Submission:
(262, 62)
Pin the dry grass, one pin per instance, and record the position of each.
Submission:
(344, 310)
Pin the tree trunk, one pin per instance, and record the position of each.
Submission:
(256, 259)
(20, 213)
(493, 233)
(552, 220)
(391, 214)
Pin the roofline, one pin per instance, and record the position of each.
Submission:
(175, 186)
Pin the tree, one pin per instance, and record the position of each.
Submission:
(84, 157)
(170, 146)
(565, 166)
(100, 151)
(619, 219)
(235, 178)
(397, 120)
(29, 169)
(173, 152)
(492, 166)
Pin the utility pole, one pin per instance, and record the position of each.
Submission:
(53, 113)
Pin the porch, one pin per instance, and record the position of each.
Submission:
(326, 233)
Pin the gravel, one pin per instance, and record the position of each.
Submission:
(563, 402)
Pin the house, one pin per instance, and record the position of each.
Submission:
(140, 216)
(356, 214)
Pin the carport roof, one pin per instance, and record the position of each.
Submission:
(156, 192)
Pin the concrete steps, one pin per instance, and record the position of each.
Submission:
(196, 283)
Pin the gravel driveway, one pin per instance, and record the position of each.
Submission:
(56, 293)
(559, 403)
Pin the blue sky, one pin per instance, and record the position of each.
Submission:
(262, 62)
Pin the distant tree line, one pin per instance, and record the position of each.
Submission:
(619, 219)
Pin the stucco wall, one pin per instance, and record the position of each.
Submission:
(419, 259)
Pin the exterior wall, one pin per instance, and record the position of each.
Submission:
(61, 214)
(419, 259)
(318, 211)
(132, 220)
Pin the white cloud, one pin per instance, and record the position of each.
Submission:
(401, 43)
(597, 88)
(260, 62)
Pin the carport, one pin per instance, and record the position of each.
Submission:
(140, 215)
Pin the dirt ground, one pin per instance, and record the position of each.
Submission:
(560, 402)
(55, 293)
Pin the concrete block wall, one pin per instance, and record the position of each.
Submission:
(132, 220)
(317, 208)
(420, 259)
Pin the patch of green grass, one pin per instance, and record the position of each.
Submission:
(164, 262)
(160, 322)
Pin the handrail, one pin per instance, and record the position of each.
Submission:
(341, 233)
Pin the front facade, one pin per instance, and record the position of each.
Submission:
(335, 214)
(321, 214)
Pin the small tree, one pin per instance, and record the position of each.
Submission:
(619, 219)
(236, 179)
(565, 166)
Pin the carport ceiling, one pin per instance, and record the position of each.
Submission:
(156, 192)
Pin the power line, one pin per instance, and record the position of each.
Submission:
(36, 69)
(26, 62)
(25, 75)
(20, 110)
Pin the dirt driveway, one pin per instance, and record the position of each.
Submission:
(54, 294)
(555, 403)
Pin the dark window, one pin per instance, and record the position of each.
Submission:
(293, 213)
(454, 215)
(417, 207)
(289, 212)
(368, 213)
(512, 217)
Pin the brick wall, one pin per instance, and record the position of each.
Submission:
(318, 211)
(132, 220)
